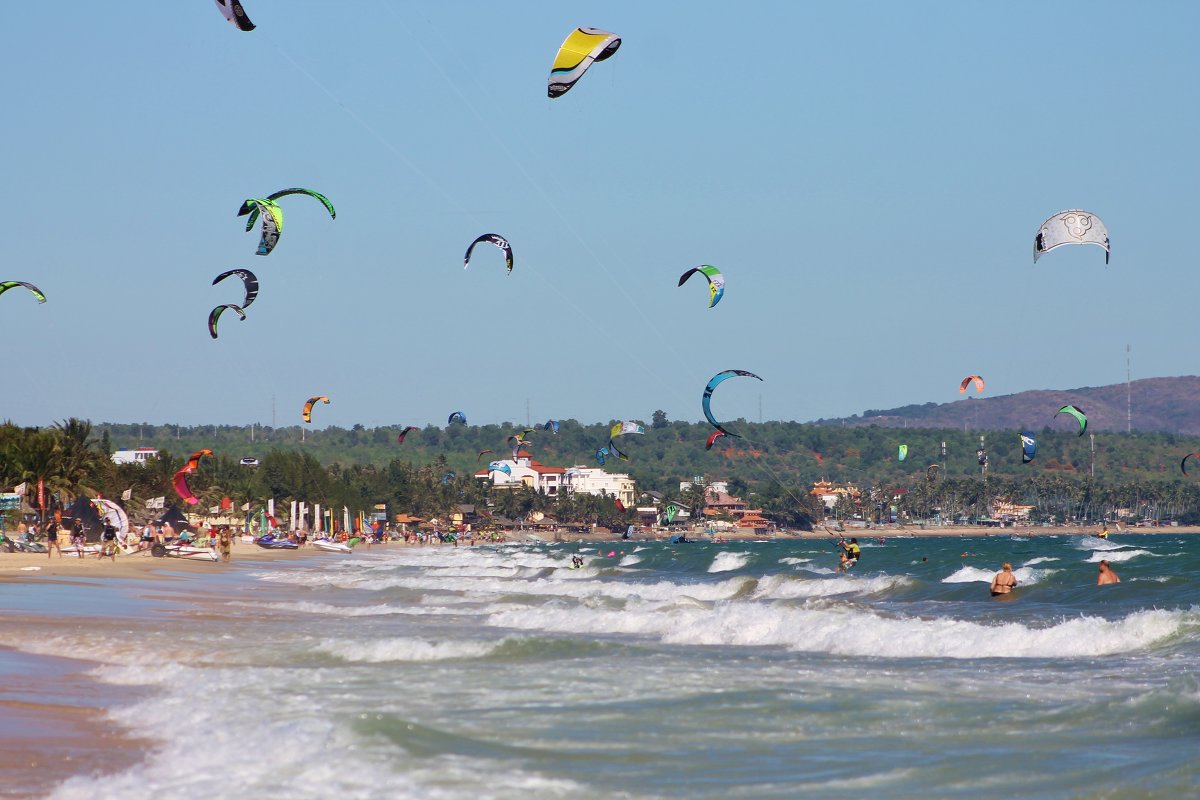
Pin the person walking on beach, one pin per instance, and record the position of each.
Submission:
(1106, 575)
(226, 544)
(110, 542)
(1004, 582)
(52, 538)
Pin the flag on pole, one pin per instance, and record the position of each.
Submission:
(245, 506)
(127, 494)
(20, 489)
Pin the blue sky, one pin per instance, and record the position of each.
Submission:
(868, 176)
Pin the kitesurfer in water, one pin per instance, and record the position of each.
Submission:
(1106, 575)
(1004, 582)
(853, 551)
(1103, 531)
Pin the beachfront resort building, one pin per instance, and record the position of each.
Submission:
(829, 493)
(525, 471)
(593, 480)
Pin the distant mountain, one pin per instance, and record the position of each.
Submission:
(1164, 405)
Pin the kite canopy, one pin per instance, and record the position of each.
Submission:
(216, 313)
(578, 51)
(1028, 447)
(902, 452)
(403, 433)
(962, 387)
(482, 452)
(712, 437)
(457, 416)
(601, 454)
(551, 425)
(272, 222)
(1077, 413)
(716, 282)
(180, 480)
(496, 239)
(499, 466)
(1071, 227)
(1183, 463)
(712, 385)
(308, 407)
(249, 279)
(931, 472)
(249, 207)
(6, 285)
(232, 10)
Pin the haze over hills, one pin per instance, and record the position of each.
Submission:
(1164, 405)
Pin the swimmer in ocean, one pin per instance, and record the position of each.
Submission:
(1004, 582)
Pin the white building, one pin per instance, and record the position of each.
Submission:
(592, 480)
(721, 487)
(138, 455)
(527, 471)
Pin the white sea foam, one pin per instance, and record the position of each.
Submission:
(727, 562)
(1096, 543)
(630, 560)
(1116, 555)
(842, 630)
(783, 587)
(405, 649)
(793, 561)
(1039, 560)
(1025, 575)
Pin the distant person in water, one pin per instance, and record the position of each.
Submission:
(1106, 575)
(1005, 581)
(1103, 531)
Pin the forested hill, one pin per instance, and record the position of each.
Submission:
(1165, 405)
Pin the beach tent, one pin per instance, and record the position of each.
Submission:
(83, 510)
(174, 516)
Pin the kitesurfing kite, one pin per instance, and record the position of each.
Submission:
(716, 282)
(902, 453)
(232, 10)
(312, 401)
(403, 433)
(499, 466)
(496, 239)
(1183, 463)
(449, 476)
(180, 480)
(578, 51)
(249, 280)
(712, 437)
(712, 385)
(1028, 447)
(6, 285)
(625, 428)
(962, 387)
(931, 472)
(1077, 413)
(601, 453)
(216, 313)
(481, 453)
(457, 416)
(1071, 227)
(272, 223)
(268, 205)
(551, 425)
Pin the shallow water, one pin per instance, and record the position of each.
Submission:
(691, 670)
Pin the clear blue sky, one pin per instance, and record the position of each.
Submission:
(869, 176)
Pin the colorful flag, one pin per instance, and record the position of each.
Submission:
(20, 489)
(127, 494)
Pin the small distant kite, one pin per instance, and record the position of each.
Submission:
(551, 425)
(232, 10)
(601, 454)
(962, 387)
(712, 437)
(902, 453)
(1071, 227)
(403, 433)
(716, 282)
(1028, 447)
(931, 472)
(308, 407)
(1077, 413)
(249, 280)
(6, 285)
(482, 452)
(1183, 463)
(216, 313)
(180, 480)
(499, 466)
(711, 387)
(496, 239)
(457, 416)
(578, 51)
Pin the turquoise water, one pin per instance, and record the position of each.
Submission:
(693, 670)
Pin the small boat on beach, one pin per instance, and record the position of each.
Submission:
(331, 546)
(190, 552)
(270, 542)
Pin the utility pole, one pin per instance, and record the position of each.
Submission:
(272, 412)
(1092, 468)
(1128, 392)
(760, 408)
(527, 417)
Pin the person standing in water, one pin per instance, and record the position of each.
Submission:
(1103, 531)
(1004, 582)
(1106, 575)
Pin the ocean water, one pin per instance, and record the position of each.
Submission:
(741, 670)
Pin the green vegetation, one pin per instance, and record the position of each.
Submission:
(773, 467)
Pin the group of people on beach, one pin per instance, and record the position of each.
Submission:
(1005, 581)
